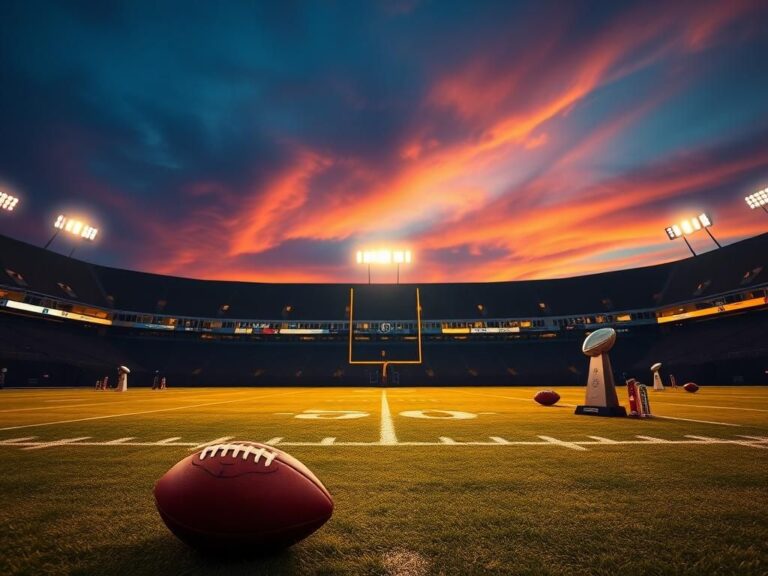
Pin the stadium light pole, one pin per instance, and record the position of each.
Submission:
(8, 202)
(758, 200)
(384, 257)
(687, 227)
(75, 227)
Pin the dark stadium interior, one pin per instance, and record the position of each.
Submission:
(727, 349)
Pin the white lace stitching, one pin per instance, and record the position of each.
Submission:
(211, 451)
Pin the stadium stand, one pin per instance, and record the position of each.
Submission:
(68, 322)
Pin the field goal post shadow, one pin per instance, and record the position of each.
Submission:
(383, 363)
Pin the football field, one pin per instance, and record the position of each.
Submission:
(425, 480)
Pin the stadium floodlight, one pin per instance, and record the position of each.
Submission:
(8, 202)
(75, 227)
(384, 256)
(758, 200)
(690, 226)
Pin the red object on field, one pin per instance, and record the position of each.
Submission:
(546, 397)
(691, 387)
(242, 497)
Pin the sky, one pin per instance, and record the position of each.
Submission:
(268, 141)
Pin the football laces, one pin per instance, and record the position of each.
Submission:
(237, 449)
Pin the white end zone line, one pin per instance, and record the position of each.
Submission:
(580, 445)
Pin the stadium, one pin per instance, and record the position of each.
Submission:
(384, 288)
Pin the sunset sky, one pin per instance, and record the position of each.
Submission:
(268, 141)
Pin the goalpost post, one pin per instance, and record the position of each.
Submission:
(383, 363)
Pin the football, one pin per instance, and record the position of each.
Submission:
(242, 497)
(599, 341)
(691, 387)
(546, 397)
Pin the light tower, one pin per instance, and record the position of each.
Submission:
(75, 227)
(8, 202)
(758, 200)
(384, 257)
(687, 227)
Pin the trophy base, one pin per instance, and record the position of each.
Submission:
(601, 410)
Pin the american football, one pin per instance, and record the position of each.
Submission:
(546, 397)
(599, 342)
(691, 387)
(242, 496)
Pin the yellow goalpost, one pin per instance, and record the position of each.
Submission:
(383, 363)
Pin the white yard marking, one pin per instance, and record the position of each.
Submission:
(55, 443)
(652, 439)
(105, 403)
(698, 421)
(387, 434)
(122, 415)
(602, 440)
(718, 407)
(119, 440)
(708, 440)
(169, 440)
(571, 445)
(222, 440)
(545, 441)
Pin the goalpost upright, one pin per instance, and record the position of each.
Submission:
(383, 363)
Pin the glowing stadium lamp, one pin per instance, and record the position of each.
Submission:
(758, 200)
(384, 257)
(8, 202)
(75, 227)
(687, 227)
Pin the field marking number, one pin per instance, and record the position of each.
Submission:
(439, 414)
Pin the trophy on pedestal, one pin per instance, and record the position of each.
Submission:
(657, 383)
(601, 399)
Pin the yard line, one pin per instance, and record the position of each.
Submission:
(707, 406)
(221, 440)
(274, 441)
(708, 440)
(602, 440)
(499, 440)
(327, 441)
(387, 433)
(120, 440)
(699, 421)
(105, 403)
(12, 440)
(56, 443)
(758, 438)
(570, 445)
(653, 439)
(446, 440)
(144, 412)
(169, 440)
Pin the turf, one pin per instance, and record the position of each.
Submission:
(423, 503)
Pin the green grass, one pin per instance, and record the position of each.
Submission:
(653, 508)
